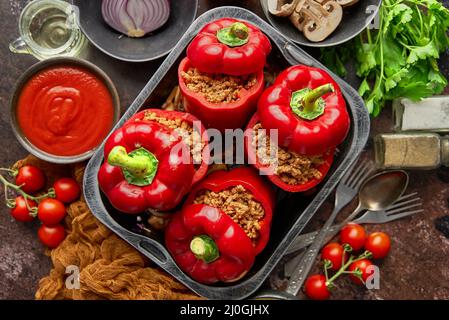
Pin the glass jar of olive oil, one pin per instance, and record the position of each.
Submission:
(49, 28)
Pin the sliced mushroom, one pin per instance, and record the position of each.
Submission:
(343, 3)
(321, 20)
(297, 18)
(282, 8)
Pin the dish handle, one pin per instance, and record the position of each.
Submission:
(155, 252)
(299, 56)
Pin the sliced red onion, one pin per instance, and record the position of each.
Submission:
(135, 18)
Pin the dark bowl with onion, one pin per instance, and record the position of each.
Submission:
(107, 32)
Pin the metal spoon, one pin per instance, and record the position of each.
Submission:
(377, 193)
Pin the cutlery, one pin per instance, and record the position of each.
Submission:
(400, 209)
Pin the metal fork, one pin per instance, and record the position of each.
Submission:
(405, 206)
(346, 190)
(400, 209)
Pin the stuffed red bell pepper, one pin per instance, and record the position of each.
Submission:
(208, 245)
(189, 128)
(307, 112)
(288, 170)
(243, 195)
(146, 166)
(222, 77)
(307, 108)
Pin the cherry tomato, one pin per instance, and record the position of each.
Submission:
(362, 265)
(334, 253)
(354, 235)
(378, 243)
(316, 288)
(21, 212)
(67, 190)
(51, 211)
(30, 178)
(51, 236)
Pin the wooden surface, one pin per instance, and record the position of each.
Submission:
(417, 267)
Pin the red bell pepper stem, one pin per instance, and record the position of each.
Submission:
(234, 36)
(139, 166)
(204, 248)
(310, 99)
(308, 104)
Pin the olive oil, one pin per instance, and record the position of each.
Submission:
(48, 28)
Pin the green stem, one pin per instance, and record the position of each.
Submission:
(139, 166)
(204, 248)
(234, 36)
(327, 265)
(11, 202)
(310, 100)
(308, 104)
(368, 35)
(344, 266)
(340, 271)
(10, 171)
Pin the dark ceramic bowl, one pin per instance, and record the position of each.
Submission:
(152, 46)
(26, 77)
(355, 20)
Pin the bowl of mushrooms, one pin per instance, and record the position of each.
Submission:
(321, 23)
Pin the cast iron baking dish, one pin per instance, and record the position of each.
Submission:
(293, 211)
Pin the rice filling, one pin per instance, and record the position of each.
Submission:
(239, 204)
(292, 168)
(192, 138)
(217, 88)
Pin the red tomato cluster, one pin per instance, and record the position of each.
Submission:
(337, 257)
(49, 208)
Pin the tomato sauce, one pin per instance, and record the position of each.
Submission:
(65, 110)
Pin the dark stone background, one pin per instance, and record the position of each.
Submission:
(417, 267)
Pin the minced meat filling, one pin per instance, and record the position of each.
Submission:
(192, 138)
(292, 168)
(237, 203)
(217, 88)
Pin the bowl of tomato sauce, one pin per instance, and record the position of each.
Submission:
(63, 108)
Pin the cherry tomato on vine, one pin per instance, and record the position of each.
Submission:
(354, 235)
(31, 178)
(362, 265)
(51, 236)
(51, 211)
(67, 190)
(20, 212)
(378, 243)
(316, 288)
(334, 253)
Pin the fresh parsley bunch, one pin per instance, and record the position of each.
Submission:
(400, 58)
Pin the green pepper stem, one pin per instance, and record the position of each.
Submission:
(204, 248)
(138, 166)
(310, 99)
(234, 36)
(240, 30)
